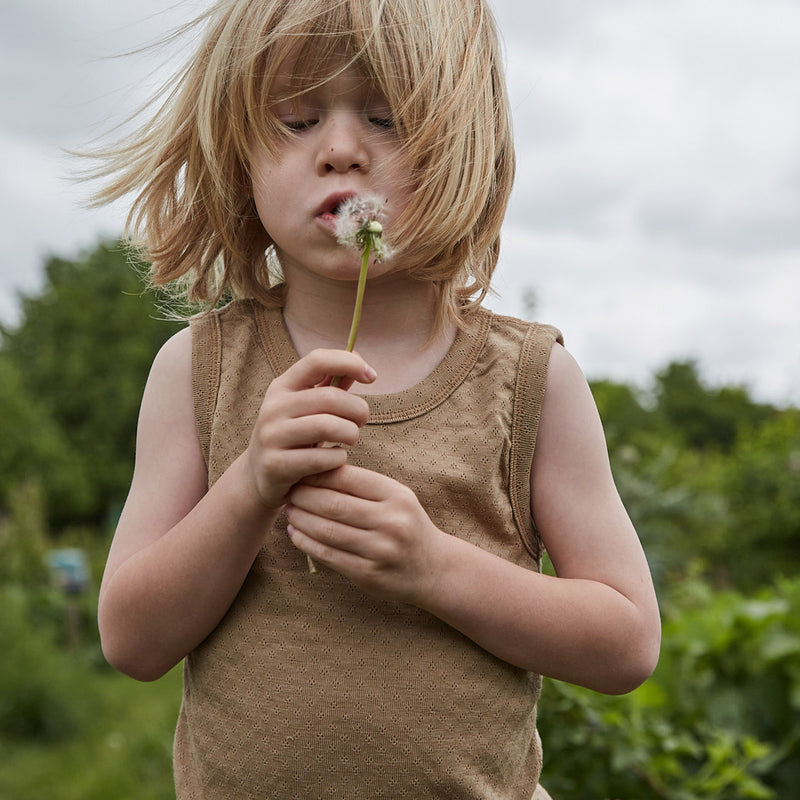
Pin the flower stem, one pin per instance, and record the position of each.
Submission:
(362, 285)
(351, 339)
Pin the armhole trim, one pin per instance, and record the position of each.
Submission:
(534, 359)
(206, 371)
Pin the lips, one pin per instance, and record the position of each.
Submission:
(330, 207)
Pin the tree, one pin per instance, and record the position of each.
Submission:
(34, 449)
(762, 482)
(79, 359)
(707, 418)
(710, 477)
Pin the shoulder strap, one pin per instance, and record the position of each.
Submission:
(206, 368)
(529, 391)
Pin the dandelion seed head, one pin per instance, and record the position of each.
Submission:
(359, 221)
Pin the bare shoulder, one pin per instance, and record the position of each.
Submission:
(169, 475)
(166, 417)
(569, 414)
(174, 358)
(572, 490)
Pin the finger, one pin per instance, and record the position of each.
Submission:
(332, 505)
(293, 465)
(321, 400)
(342, 381)
(338, 536)
(339, 381)
(311, 430)
(356, 481)
(319, 365)
(342, 561)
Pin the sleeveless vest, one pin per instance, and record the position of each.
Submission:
(310, 689)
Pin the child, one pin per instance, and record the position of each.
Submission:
(408, 665)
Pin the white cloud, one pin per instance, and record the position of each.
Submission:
(657, 206)
(46, 214)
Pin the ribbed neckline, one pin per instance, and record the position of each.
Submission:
(409, 403)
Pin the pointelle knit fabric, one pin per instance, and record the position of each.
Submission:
(310, 689)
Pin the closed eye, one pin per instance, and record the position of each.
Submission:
(299, 124)
(383, 122)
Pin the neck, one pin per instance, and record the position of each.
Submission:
(395, 334)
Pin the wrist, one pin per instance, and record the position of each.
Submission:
(435, 569)
(249, 497)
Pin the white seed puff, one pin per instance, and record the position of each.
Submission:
(359, 219)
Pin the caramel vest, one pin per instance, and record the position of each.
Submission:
(308, 688)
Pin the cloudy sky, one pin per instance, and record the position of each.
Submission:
(656, 214)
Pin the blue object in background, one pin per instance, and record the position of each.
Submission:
(70, 569)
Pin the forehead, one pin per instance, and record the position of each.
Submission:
(337, 74)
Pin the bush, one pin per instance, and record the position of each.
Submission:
(718, 719)
(43, 688)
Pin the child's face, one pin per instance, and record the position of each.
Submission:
(342, 142)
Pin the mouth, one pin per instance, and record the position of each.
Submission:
(331, 206)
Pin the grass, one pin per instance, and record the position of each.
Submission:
(123, 752)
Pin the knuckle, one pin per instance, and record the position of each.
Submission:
(386, 555)
(328, 532)
(325, 554)
(328, 458)
(362, 411)
(335, 506)
(349, 433)
(407, 499)
(270, 464)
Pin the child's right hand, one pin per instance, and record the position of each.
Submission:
(301, 410)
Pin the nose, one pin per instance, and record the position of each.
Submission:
(342, 145)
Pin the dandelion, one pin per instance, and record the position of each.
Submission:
(359, 227)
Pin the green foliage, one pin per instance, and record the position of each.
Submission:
(761, 480)
(708, 476)
(23, 540)
(675, 499)
(41, 685)
(623, 411)
(719, 718)
(123, 751)
(34, 446)
(70, 728)
(705, 418)
(75, 369)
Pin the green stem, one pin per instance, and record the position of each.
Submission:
(362, 285)
(351, 339)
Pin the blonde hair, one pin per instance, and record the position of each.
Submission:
(437, 62)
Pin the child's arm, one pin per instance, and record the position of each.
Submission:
(181, 553)
(596, 624)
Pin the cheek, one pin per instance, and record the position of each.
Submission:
(401, 198)
(400, 194)
(261, 181)
(265, 192)
(265, 176)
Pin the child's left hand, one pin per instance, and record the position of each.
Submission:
(368, 527)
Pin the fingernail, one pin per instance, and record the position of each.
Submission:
(371, 374)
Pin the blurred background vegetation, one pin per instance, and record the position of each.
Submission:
(710, 476)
